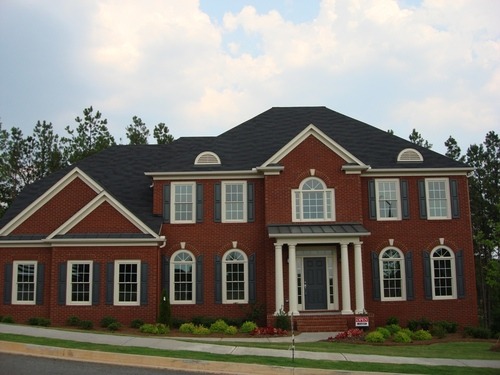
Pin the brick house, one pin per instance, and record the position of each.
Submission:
(299, 209)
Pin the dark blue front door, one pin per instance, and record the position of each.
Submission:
(315, 283)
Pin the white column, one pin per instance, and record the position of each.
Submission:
(292, 280)
(358, 273)
(278, 277)
(346, 286)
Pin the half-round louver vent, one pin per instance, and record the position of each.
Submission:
(410, 155)
(207, 158)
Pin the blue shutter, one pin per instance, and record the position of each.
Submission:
(251, 279)
(165, 264)
(61, 289)
(199, 203)
(40, 280)
(7, 284)
(427, 275)
(410, 295)
(218, 279)
(459, 259)
(455, 207)
(166, 203)
(372, 204)
(96, 282)
(144, 284)
(217, 203)
(405, 205)
(110, 270)
(421, 199)
(250, 202)
(199, 280)
(375, 277)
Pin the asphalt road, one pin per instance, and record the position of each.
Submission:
(11, 364)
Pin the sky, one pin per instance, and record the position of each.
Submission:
(203, 67)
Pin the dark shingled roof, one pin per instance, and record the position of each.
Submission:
(333, 230)
(120, 169)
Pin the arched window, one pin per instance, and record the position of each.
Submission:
(313, 201)
(392, 280)
(443, 273)
(235, 277)
(182, 271)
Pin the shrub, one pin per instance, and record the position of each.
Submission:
(206, 321)
(155, 329)
(201, 330)
(283, 321)
(73, 321)
(272, 331)
(477, 332)
(136, 323)
(107, 320)
(438, 331)
(187, 328)
(219, 326)
(7, 319)
(44, 322)
(412, 325)
(384, 332)
(424, 323)
(392, 320)
(375, 337)
(165, 314)
(248, 327)
(350, 333)
(393, 328)
(86, 324)
(449, 327)
(231, 330)
(421, 335)
(401, 336)
(115, 326)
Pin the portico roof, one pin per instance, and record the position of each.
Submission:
(317, 230)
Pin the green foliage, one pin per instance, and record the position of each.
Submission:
(384, 332)
(206, 321)
(248, 327)
(283, 320)
(136, 323)
(393, 328)
(8, 319)
(162, 134)
(256, 313)
(137, 132)
(73, 321)
(375, 337)
(392, 320)
(115, 326)
(449, 327)
(402, 337)
(201, 330)
(155, 329)
(421, 335)
(187, 328)
(107, 320)
(231, 330)
(219, 326)
(38, 321)
(165, 313)
(478, 332)
(86, 324)
(412, 325)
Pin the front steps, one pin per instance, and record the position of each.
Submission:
(321, 322)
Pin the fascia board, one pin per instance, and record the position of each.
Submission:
(417, 172)
(209, 175)
(47, 196)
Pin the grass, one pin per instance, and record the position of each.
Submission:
(475, 350)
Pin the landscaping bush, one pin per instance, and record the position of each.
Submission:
(231, 330)
(136, 323)
(350, 333)
(477, 332)
(187, 328)
(201, 330)
(165, 314)
(438, 331)
(412, 325)
(155, 329)
(115, 326)
(393, 328)
(384, 332)
(44, 322)
(424, 324)
(271, 331)
(8, 319)
(248, 327)
(107, 320)
(401, 336)
(283, 321)
(206, 321)
(421, 335)
(86, 324)
(392, 320)
(219, 326)
(73, 321)
(449, 327)
(375, 337)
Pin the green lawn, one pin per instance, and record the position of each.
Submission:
(475, 350)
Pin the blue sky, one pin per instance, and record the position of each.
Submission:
(205, 66)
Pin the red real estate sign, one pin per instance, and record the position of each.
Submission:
(362, 321)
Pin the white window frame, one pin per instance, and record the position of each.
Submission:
(298, 202)
(225, 263)
(428, 198)
(401, 261)
(453, 276)
(116, 286)
(15, 266)
(398, 199)
(173, 203)
(225, 185)
(69, 282)
(173, 265)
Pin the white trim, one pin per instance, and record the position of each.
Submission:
(401, 260)
(448, 198)
(47, 196)
(399, 172)
(205, 154)
(398, 199)
(410, 155)
(208, 175)
(173, 203)
(453, 266)
(172, 264)
(69, 282)
(224, 277)
(223, 201)
(15, 265)
(325, 191)
(116, 289)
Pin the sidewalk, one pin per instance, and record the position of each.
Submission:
(189, 345)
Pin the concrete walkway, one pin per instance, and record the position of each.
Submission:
(190, 345)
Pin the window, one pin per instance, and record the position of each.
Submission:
(79, 288)
(127, 276)
(234, 201)
(443, 273)
(438, 199)
(183, 202)
(388, 202)
(24, 285)
(313, 201)
(182, 268)
(235, 276)
(392, 271)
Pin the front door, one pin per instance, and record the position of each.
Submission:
(315, 283)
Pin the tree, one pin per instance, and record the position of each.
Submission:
(137, 132)
(90, 136)
(162, 134)
(416, 137)
(45, 150)
(453, 151)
